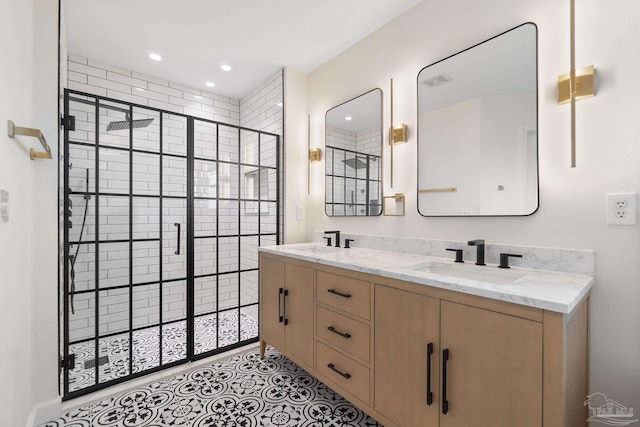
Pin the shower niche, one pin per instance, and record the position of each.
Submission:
(353, 149)
(164, 213)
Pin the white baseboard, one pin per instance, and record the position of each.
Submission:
(45, 411)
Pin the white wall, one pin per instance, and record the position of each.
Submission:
(296, 156)
(572, 210)
(28, 283)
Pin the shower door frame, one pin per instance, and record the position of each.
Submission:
(190, 241)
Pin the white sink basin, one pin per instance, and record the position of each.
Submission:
(487, 274)
(317, 249)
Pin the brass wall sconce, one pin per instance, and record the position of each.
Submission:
(576, 84)
(393, 205)
(585, 79)
(397, 135)
(314, 155)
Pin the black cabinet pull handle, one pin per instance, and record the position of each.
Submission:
(284, 307)
(280, 316)
(332, 329)
(340, 294)
(429, 393)
(177, 224)
(445, 402)
(333, 368)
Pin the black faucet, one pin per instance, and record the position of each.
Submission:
(504, 259)
(337, 233)
(480, 251)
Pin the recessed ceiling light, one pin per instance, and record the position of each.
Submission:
(210, 84)
(279, 104)
(197, 96)
(140, 89)
(155, 57)
(348, 118)
(226, 67)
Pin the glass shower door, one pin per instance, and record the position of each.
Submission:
(163, 217)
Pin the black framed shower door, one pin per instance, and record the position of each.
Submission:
(163, 214)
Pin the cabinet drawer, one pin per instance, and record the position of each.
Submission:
(346, 333)
(358, 381)
(344, 293)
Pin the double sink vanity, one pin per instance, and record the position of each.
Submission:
(405, 330)
(416, 340)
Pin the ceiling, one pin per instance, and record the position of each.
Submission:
(195, 37)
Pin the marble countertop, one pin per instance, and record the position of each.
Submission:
(548, 290)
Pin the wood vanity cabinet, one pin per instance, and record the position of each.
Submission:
(286, 309)
(492, 368)
(411, 355)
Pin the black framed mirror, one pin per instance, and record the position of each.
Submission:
(478, 129)
(353, 157)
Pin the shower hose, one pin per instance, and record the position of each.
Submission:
(74, 257)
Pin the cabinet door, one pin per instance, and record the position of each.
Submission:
(405, 325)
(494, 371)
(271, 298)
(298, 309)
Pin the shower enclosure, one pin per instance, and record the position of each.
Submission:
(163, 215)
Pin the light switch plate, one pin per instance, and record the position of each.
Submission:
(4, 196)
(300, 213)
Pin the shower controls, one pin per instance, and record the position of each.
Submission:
(177, 252)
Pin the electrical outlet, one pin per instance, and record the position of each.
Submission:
(621, 209)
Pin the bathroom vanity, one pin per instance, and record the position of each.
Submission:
(421, 341)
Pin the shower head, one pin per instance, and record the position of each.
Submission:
(124, 124)
(355, 163)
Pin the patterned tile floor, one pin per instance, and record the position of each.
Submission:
(146, 343)
(243, 391)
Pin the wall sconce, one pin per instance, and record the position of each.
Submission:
(397, 135)
(576, 84)
(584, 85)
(314, 155)
(400, 134)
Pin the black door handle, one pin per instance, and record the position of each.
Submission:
(429, 393)
(280, 316)
(333, 368)
(340, 294)
(284, 308)
(445, 402)
(177, 224)
(332, 329)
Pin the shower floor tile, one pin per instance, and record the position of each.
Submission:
(113, 357)
(241, 391)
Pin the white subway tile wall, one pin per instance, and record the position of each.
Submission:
(255, 180)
